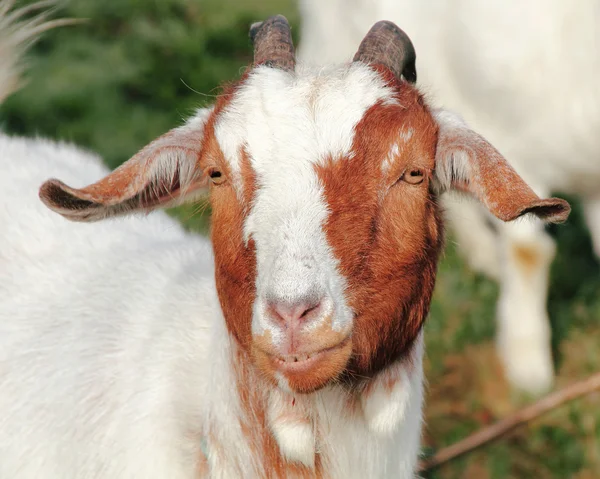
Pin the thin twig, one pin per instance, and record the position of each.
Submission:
(485, 435)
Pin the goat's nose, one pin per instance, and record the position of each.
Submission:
(295, 312)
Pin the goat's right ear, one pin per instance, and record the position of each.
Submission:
(163, 173)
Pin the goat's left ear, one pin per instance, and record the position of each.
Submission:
(465, 161)
(163, 173)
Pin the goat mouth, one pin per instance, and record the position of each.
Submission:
(304, 372)
(304, 362)
(296, 362)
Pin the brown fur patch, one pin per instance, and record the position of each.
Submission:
(235, 261)
(387, 244)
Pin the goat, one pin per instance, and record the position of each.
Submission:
(526, 76)
(125, 353)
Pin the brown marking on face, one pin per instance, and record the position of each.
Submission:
(254, 400)
(386, 233)
(527, 258)
(235, 261)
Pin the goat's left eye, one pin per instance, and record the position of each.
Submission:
(414, 176)
(216, 177)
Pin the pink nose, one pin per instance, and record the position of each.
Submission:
(295, 312)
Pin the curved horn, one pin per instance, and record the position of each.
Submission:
(273, 45)
(388, 45)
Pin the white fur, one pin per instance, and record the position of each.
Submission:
(592, 215)
(390, 157)
(386, 409)
(393, 454)
(293, 427)
(524, 74)
(93, 381)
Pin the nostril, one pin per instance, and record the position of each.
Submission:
(309, 310)
(299, 311)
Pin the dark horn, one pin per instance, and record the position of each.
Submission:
(388, 45)
(273, 45)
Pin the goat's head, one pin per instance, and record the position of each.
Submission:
(326, 226)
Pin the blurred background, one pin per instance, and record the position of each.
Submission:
(136, 68)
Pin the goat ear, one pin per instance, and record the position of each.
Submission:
(465, 161)
(163, 173)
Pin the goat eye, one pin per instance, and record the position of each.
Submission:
(216, 177)
(413, 176)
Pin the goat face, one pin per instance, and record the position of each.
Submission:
(323, 185)
(325, 225)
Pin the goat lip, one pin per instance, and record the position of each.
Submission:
(300, 362)
(296, 362)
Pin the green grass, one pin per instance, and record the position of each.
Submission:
(136, 68)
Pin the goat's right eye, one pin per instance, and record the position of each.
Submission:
(216, 177)
(413, 176)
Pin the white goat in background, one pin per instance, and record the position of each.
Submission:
(526, 74)
(125, 354)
